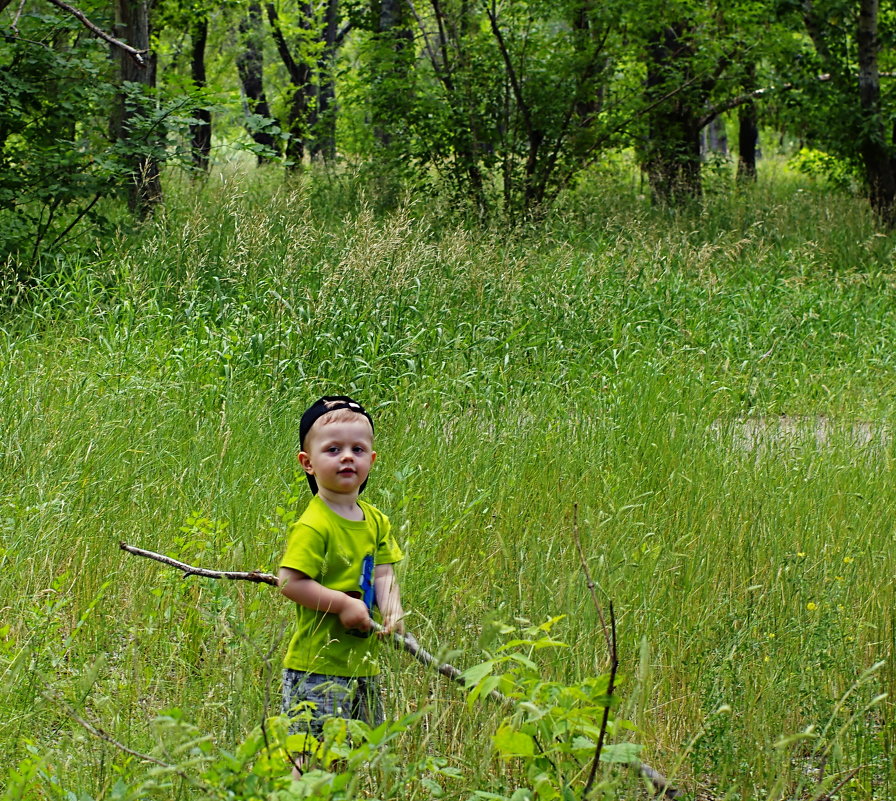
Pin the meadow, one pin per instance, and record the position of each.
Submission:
(705, 395)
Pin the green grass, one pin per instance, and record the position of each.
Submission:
(604, 362)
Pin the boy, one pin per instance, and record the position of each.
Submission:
(330, 660)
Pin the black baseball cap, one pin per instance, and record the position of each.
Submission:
(320, 407)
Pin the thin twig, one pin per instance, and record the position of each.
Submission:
(14, 25)
(101, 734)
(614, 665)
(833, 791)
(590, 581)
(78, 218)
(660, 783)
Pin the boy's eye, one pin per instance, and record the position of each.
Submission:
(358, 449)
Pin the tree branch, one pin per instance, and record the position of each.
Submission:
(101, 734)
(660, 783)
(252, 575)
(136, 55)
(407, 642)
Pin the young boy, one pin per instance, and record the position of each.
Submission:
(331, 657)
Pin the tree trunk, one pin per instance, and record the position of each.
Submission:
(876, 157)
(672, 152)
(747, 133)
(250, 67)
(323, 118)
(392, 71)
(132, 24)
(300, 78)
(200, 131)
(715, 138)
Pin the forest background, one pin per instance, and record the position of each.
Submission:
(512, 231)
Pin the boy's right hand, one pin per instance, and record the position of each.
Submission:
(354, 615)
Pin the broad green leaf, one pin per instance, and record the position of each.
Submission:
(472, 676)
(623, 753)
(512, 743)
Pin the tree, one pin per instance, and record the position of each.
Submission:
(519, 99)
(250, 67)
(55, 163)
(842, 106)
(140, 146)
(307, 42)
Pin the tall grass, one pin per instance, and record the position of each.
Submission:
(603, 367)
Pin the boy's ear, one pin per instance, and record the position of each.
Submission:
(305, 461)
(372, 457)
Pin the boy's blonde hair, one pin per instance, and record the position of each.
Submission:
(341, 415)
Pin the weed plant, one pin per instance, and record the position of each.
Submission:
(710, 389)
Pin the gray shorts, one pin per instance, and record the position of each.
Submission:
(332, 696)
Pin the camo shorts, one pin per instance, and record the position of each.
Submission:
(332, 696)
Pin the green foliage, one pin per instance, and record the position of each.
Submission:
(54, 162)
(555, 727)
(60, 172)
(819, 164)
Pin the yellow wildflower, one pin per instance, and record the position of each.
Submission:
(811, 606)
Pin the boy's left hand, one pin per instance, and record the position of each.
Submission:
(392, 623)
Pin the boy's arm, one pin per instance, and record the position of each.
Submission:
(388, 598)
(307, 592)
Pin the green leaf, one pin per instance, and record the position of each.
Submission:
(472, 676)
(435, 789)
(512, 743)
(622, 753)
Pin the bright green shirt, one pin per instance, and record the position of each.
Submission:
(330, 549)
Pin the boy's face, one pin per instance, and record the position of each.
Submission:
(339, 455)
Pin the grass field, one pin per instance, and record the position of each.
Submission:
(708, 392)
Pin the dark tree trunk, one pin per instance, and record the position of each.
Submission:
(747, 141)
(300, 78)
(323, 119)
(250, 66)
(201, 130)
(747, 133)
(672, 153)
(392, 71)
(876, 157)
(132, 25)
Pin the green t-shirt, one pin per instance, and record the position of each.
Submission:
(330, 549)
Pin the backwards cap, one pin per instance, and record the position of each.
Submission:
(329, 403)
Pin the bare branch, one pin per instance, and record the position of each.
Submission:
(405, 642)
(15, 20)
(101, 734)
(137, 55)
(253, 575)
(590, 581)
(660, 783)
(611, 685)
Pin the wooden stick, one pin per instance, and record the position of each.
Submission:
(660, 783)
(405, 642)
(253, 575)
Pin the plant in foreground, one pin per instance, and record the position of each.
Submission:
(555, 730)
